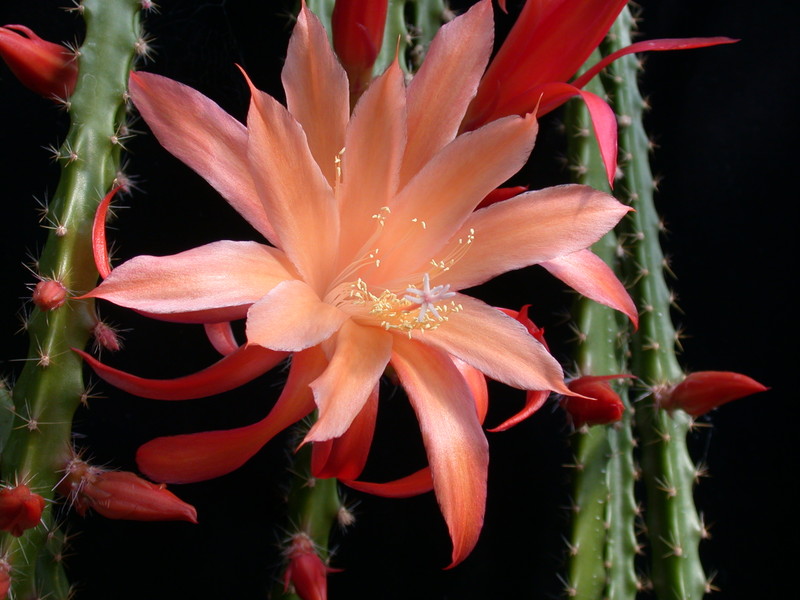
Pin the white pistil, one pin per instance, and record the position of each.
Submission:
(427, 297)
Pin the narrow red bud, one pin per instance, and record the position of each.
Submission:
(306, 571)
(706, 390)
(122, 495)
(603, 405)
(49, 294)
(357, 37)
(20, 509)
(46, 68)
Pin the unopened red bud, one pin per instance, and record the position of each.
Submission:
(46, 68)
(49, 295)
(705, 390)
(357, 37)
(603, 405)
(20, 509)
(122, 495)
(306, 571)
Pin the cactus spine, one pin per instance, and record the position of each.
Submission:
(51, 385)
(673, 526)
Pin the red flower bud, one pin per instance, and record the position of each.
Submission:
(48, 69)
(49, 294)
(306, 571)
(603, 405)
(122, 495)
(357, 37)
(20, 509)
(705, 390)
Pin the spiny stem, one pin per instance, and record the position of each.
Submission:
(672, 521)
(51, 384)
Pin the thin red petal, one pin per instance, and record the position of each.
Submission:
(534, 400)
(99, 247)
(239, 367)
(501, 194)
(221, 337)
(405, 487)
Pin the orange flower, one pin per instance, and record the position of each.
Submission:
(46, 68)
(372, 231)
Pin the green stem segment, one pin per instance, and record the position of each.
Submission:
(603, 541)
(673, 525)
(51, 385)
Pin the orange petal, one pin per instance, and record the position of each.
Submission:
(449, 74)
(316, 90)
(291, 317)
(528, 229)
(201, 456)
(405, 487)
(497, 345)
(300, 203)
(223, 276)
(589, 275)
(205, 137)
(456, 447)
(359, 359)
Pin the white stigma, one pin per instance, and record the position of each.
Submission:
(427, 297)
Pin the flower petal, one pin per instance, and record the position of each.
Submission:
(589, 275)
(236, 369)
(221, 337)
(534, 400)
(405, 487)
(359, 359)
(346, 456)
(457, 449)
(444, 193)
(201, 456)
(222, 277)
(449, 74)
(291, 317)
(497, 345)
(371, 162)
(528, 229)
(316, 90)
(197, 131)
(300, 203)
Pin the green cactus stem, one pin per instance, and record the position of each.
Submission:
(603, 541)
(51, 385)
(673, 525)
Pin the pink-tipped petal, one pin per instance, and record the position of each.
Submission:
(201, 456)
(345, 456)
(457, 449)
(497, 345)
(528, 229)
(239, 367)
(210, 141)
(316, 90)
(99, 246)
(220, 279)
(450, 73)
(221, 337)
(651, 46)
(477, 385)
(291, 318)
(405, 487)
(360, 356)
(589, 275)
(299, 200)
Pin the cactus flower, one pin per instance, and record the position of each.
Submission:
(44, 67)
(546, 46)
(357, 37)
(306, 572)
(20, 509)
(373, 233)
(703, 391)
(598, 403)
(121, 495)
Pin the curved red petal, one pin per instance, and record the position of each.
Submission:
(221, 337)
(405, 487)
(703, 391)
(534, 400)
(238, 368)
(99, 246)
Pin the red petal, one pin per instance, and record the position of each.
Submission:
(99, 247)
(243, 365)
(705, 390)
(534, 400)
(221, 337)
(411, 485)
(501, 194)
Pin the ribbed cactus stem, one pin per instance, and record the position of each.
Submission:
(411, 24)
(603, 542)
(672, 522)
(51, 384)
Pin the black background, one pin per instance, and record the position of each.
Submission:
(723, 119)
